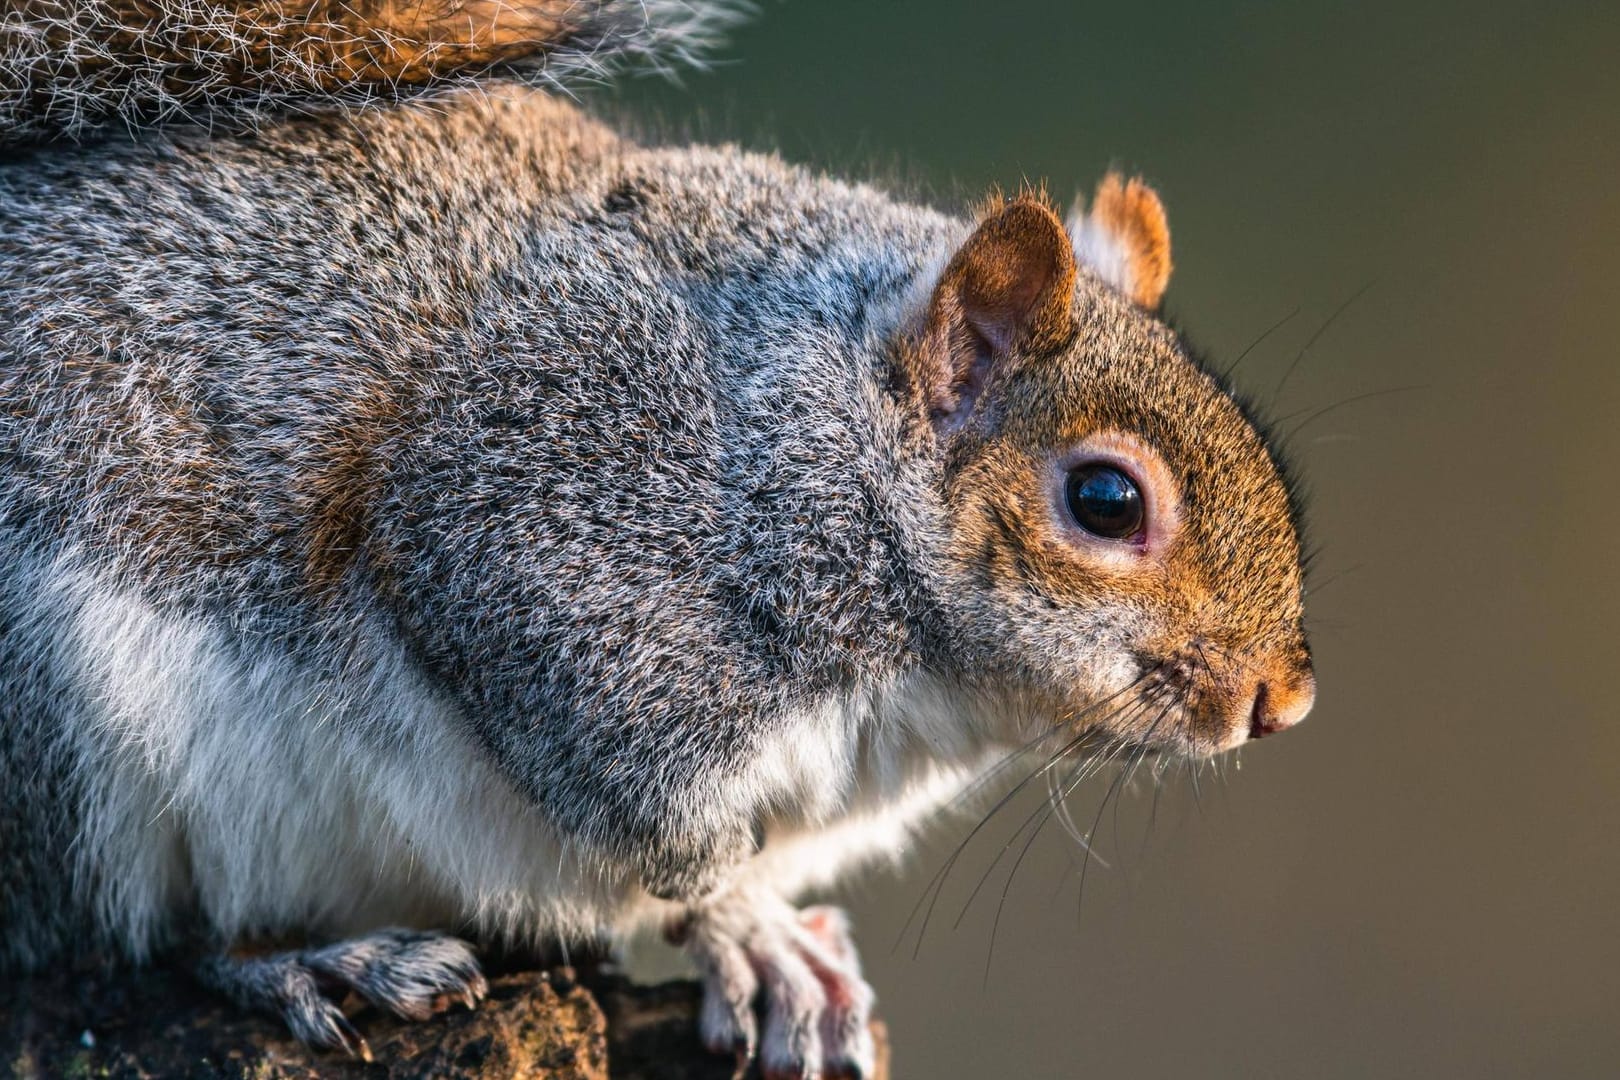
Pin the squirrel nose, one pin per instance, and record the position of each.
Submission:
(1278, 706)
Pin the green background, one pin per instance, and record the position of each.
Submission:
(1424, 879)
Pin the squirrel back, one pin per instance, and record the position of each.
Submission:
(71, 69)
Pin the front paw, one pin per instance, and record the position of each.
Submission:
(751, 944)
(411, 974)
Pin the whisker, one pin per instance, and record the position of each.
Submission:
(1084, 767)
(1141, 752)
(1080, 776)
(1042, 811)
(1065, 818)
(936, 885)
(984, 779)
(1153, 811)
(1092, 768)
(1317, 586)
(1272, 329)
(1085, 862)
(1276, 392)
(1313, 417)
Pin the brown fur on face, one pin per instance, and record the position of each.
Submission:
(1207, 610)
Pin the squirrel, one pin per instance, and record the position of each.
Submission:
(431, 516)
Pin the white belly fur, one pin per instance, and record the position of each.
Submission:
(276, 802)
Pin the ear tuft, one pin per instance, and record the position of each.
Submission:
(1125, 238)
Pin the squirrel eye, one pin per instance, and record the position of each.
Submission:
(1104, 501)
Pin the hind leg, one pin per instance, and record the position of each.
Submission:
(409, 973)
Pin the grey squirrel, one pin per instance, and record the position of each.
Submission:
(426, 511)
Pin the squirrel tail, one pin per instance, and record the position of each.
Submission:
(70, 69)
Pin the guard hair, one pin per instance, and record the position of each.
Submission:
(74, 69)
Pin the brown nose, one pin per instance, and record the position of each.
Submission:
(1279, 705)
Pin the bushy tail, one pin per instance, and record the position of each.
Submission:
(72, 68)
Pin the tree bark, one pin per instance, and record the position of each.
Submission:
(534, 1025)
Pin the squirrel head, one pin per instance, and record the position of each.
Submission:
(1123, 551)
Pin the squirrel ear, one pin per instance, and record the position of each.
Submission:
(1009, 287)
(1125, 238)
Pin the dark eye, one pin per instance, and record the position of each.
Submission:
(1104, 501)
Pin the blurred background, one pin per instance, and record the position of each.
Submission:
(1424, 879)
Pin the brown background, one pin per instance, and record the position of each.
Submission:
(1424, 879)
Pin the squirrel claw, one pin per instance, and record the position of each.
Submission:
(350, 1041)
(803, 965)
(413, 975)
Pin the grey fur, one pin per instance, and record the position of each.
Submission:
(76, 68)
(458, 516)
(608, 336)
